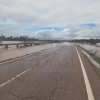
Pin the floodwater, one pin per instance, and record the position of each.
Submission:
(9, 42)
(91, 48)
(14, 52)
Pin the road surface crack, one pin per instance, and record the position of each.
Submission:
(20, 97)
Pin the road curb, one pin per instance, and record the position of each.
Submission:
(86, 80)
(16, 58)
(91, 59)
(13, 59)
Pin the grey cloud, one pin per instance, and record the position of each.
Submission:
(39, 13)
(50, 11)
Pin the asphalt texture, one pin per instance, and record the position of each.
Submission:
(54, 74)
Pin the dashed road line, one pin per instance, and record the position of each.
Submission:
(86, 80)
(58, 51)
(13, 59)
(22, 72)
(3, 84)
(46, 59)
(14, 78)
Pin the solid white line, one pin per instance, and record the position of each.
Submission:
(87, 83)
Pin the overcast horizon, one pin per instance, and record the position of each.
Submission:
(54, 19)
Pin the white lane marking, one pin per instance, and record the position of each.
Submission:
(87, 83)
(21, 73)
(13, 59)
(58, 51)
(14, 78)
(46, 59)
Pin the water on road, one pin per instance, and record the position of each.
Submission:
(13, 52)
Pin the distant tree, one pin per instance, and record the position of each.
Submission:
(0, 40)
(26, 39)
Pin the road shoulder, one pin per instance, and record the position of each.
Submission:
(92, 75)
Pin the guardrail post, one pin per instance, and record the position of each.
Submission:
(25, 44)
(17, 45)
(6, 46)
(30, 44)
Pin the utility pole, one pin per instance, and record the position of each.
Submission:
(1, 38)
(44, 39)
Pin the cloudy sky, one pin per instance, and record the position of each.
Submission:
(54, 19)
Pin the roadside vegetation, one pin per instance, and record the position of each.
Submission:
(97, 59)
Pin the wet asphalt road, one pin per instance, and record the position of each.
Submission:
(54, 74)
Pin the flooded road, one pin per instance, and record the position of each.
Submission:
(9, 42)
(13, 52)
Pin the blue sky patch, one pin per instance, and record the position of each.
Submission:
(3, 25)
(90, 25)
(58, 29)
(27, 30)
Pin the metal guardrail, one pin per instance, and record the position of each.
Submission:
(25, 44)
